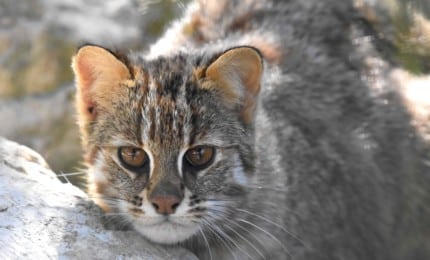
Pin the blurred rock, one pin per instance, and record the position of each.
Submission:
(404, 28)
(395, 51)
(38, 37)
(42, 218)
(46, 122)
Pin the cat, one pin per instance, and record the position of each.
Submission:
(240, 136)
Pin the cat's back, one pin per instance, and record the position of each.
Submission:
(356, 165)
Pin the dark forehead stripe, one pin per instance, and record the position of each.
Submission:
(162, 111)
(170, 74)
(152, 127)
(174, 101)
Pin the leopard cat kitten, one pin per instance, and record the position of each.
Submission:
(221, 142)
(171, 145)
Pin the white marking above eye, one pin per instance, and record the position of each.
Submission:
(151, 162)
(238, 173)
(118, 142)
(180, 161)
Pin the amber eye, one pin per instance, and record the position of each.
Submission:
(132, 157)
(200, 156)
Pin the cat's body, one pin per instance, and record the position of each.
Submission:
(310, 166)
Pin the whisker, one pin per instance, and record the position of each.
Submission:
(116, 214)
(233, 242)
(206, 241)
(293, 235)
(262, 203)
(207, 224)
(267, 233)
(71, 173)
(258, 187)
(226, 212)
(248, 231)
(245, 239)
(105, 199)
(221, 200)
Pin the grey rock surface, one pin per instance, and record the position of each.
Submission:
(42, 218)
(46, 123)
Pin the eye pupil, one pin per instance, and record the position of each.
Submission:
(200, 156)
(132, 157)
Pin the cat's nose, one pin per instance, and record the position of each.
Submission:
(165, 204)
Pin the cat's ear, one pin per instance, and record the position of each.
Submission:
(98, 75)
(237, 73)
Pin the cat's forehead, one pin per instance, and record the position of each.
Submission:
(173, 107)
(168, 77)
(170, 70)
(169, 83)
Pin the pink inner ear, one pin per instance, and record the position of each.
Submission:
(86, 79)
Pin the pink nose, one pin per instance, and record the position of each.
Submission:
(165, 204)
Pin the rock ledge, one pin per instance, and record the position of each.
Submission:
(42, 218)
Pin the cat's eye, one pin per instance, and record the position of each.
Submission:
(132, 157)
(200, 156)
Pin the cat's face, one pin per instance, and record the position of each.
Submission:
(169, 142)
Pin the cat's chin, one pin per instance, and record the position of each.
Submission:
(167, 232)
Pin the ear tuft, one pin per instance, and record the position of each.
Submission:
(237, 73)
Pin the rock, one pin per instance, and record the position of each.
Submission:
(42, 218)
(47, 124)
(38, 38)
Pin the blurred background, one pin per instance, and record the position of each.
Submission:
(39, 37)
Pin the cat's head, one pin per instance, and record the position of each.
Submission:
(169, 141)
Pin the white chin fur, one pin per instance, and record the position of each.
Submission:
(167, 232)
